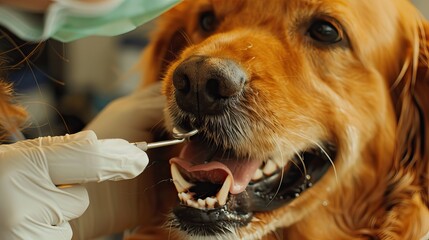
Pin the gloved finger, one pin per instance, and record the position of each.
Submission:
(73, 200)
(46, 141)
(64, 231)
(93, 161)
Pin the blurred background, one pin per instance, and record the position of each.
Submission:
(423, 5)
(64, 86)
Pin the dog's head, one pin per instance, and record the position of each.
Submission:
(307, 111)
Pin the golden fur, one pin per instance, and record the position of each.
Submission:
(12, 116)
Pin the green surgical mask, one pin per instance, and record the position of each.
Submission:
(68, 20)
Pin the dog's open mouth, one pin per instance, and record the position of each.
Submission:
(219, 191)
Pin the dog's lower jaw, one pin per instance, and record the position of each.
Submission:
(254, 231)
(179, 235)
(269, 225)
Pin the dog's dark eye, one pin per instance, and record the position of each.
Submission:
(208, 21)
(324, 32)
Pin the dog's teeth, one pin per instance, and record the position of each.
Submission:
(181, 184)
(222, 195)
(269, 168)
(201, 203)
(192, 203)
(257, 175)
(211, 202)
(184, 196)
(208, 203)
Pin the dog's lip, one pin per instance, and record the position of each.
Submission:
(193, 159)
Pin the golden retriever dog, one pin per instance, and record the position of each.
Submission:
(312, 117)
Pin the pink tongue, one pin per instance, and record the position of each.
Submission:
(192, 159)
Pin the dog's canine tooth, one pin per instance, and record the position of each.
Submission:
(179, 182)
(270, 167)
(222, 195)
(257, 175)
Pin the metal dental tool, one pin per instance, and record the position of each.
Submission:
(177, 134)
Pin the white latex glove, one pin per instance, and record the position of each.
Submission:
(31, 206)
(131, 117)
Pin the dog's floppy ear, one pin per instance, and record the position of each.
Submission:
(411, 99)
(165, 45)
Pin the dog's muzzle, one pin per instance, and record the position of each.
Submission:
(220, 190)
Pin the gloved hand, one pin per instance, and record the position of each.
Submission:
(131, 117)
(32, 206)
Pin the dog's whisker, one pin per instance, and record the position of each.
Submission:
(186, 37)
(330, 160)
(151, 164)
(168, 180)
(282, 173)
(296, 164)
(324, 152)
(277, 235)
(167, 61)
(297, 153)
(170, 228)
(158, 125)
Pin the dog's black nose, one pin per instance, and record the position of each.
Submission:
(205, 85)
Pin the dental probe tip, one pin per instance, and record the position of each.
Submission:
(179, 133)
